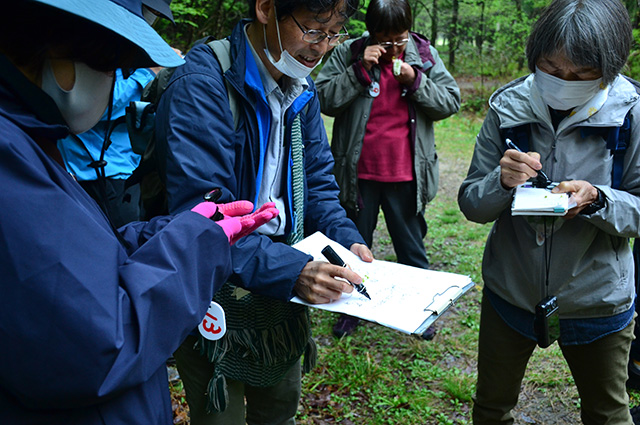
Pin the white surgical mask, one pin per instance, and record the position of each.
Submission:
(83, 105)
(563, 95)
(287, 64)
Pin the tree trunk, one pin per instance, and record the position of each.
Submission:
(434, 22)
(480, 34)
(453, 35)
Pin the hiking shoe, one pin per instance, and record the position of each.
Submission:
(635, 415)
(345, 325)
(430, 333)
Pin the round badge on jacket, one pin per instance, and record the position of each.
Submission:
(374, 89)
(214, 325)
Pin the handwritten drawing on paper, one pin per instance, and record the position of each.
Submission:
(402, 297)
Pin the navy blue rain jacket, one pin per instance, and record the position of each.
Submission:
(85, 326)
(203, 150)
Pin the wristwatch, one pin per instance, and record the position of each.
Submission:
(596, 205)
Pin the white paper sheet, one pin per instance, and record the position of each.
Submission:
(402, 297)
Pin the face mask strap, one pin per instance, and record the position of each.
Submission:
(275, 14)
(264, 34)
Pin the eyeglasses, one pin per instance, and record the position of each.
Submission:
(317, 36)
(390, 44)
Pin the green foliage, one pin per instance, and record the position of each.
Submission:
(490, 35)
(356, 25)
(633, 64)
(196, 19)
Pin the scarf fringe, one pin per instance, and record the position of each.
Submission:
(218, 399)
(275, 346)
(267, 347)
(310, 356)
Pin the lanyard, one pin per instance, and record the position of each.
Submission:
(548, 244)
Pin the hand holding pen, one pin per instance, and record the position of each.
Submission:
(516, 167)
(335, 259)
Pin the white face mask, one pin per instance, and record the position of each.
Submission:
(287, 64)
(562, 94)
(83, 105)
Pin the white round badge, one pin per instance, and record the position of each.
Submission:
(214, 325)
(374, 89)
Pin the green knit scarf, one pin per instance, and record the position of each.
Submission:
(265, 337)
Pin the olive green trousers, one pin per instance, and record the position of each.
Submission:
(599, 370)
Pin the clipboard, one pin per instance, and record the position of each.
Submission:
(404, 298)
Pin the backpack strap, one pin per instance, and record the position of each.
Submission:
(222, 52)
(617, 141)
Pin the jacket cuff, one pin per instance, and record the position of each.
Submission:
(416, 83)
(595, 206)
(361, 74)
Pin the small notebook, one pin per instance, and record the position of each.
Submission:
(529, 200)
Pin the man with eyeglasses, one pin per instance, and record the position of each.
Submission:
(255, 131)
(385, 90)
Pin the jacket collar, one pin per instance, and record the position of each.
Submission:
(26, 105)
(236, 73)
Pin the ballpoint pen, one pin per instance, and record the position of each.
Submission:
(542, 180)
(335, 259)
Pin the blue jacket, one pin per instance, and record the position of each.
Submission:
(196, 135)
(85, 325)
(121, 160)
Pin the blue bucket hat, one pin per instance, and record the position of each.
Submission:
(123, 17)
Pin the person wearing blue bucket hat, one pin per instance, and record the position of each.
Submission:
(89, 314)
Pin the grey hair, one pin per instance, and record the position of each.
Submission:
(593, 33)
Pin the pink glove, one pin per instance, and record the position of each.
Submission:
(237, 221)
